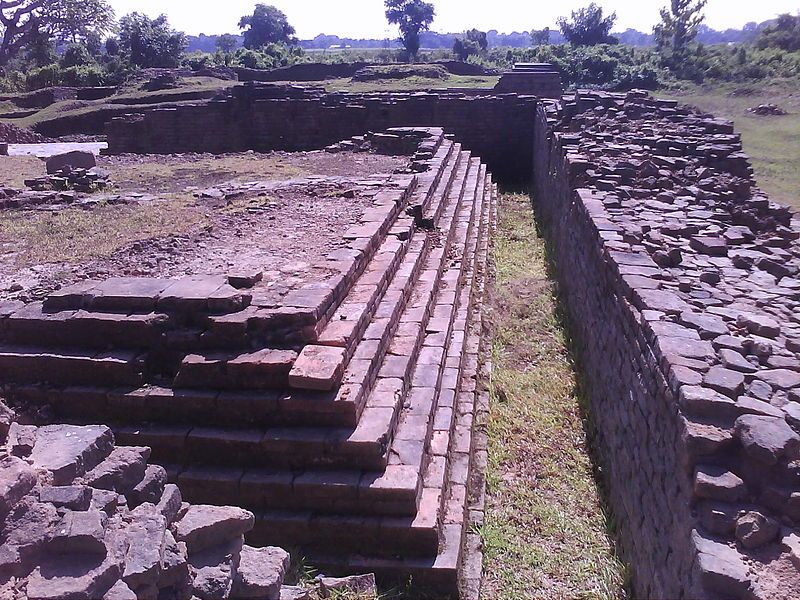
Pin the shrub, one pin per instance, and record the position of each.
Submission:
(43, 77)
(76, 55)
(53, 75)
(85, 76)
(199, 60)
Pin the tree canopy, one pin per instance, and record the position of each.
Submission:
(267, 25)
(227, 43)
(149, 42)
(26, 23)
(540, 37)
(474, 43)
(588, 26)
(679, 26)
(412, 17)
(784, 33)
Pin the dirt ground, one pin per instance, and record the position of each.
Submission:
(169, 216)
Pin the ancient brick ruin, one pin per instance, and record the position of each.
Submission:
(339, 413)
(345, 411)
(264, 117)
(681, 279)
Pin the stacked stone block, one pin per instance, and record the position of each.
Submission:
(83, 518)
(681, 278)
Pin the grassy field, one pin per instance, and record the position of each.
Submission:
(773, 142)
(546, 533)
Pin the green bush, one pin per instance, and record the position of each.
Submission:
(76, 55)
(270, 56)
(86, 76)
(54, 75)
(199, 60)
(43, 77)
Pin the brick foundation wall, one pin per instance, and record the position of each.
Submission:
(632, 407)
(680, 280)
(499, 129)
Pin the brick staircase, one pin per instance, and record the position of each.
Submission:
(342, 418)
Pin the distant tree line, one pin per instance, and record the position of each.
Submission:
(81, 42)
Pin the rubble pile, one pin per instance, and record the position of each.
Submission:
(11, 134)
(83, 518)
(67, 178)
(767, 110)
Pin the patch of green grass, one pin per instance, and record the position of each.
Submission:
(411, 84)
(546, 534)
(75, 234)
(773, 142)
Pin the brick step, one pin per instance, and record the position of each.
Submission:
(445, 569)
(394, 490)
(26, 364)
(418, 534)
(338, 341)
(364, 447)
(31, 324)
(191, 294)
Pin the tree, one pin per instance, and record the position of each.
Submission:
(227, 43)
(25, 23)
(76, 55)
(474, 43)
(72, 21)
(267, 25)
(783, 33)
(150, 43)
(679, 26)
(588, 27)
(479, 38)
(541, 37)
(412, 17)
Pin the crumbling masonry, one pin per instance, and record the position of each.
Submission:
(347, 416)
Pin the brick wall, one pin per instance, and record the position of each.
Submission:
(695, 443)
(499, 129)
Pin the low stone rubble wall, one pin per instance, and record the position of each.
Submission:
(497, 128)
(81, 518)
(681, 281)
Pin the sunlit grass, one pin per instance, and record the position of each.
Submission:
(546, 534)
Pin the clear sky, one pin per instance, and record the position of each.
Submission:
(365, 18)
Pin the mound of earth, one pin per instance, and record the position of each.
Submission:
(11, 134)
(376, 72)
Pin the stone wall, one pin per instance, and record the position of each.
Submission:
(679, 277)
(498, 128)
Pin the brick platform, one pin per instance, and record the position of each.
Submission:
(342, 417)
